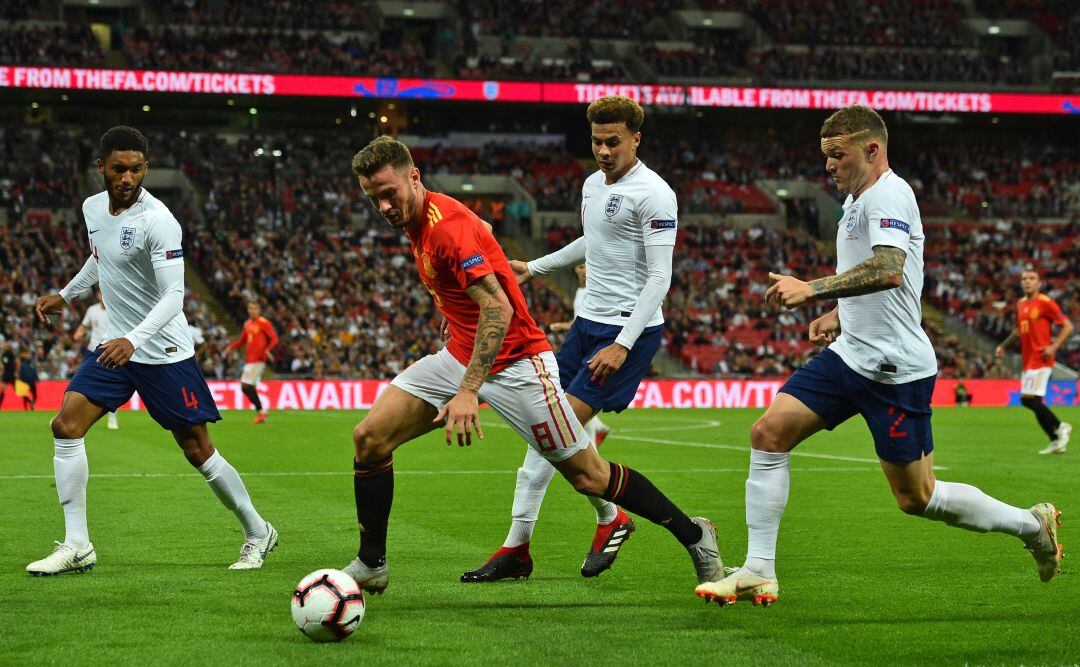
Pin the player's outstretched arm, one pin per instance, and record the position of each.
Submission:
(462, 412)
(569, 255)
(885, 270)
(86, 278)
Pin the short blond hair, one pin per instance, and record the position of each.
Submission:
(380, 152)
(855, 119)
(616, 109)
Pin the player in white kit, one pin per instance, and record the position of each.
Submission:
(94, 326)
(878, 364)
(137, 259)
(629, 217)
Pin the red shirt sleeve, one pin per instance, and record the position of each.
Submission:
(271, 335)
(236, 343)
(458, 240)
(1053, 311)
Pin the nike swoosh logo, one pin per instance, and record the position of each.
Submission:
(94, 231)
(739, 588)
(79, 559)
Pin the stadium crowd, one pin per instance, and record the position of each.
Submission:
(836, 40)
(282, 222)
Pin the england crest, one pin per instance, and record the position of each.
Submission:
(614, 203)
(852, 218)
(127, 238)
(491, 90)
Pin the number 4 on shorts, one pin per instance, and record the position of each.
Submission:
(189, 398)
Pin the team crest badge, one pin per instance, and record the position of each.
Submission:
(491, 90)
(429, 270)
(852, 218)
(614, 203)
(127, 238)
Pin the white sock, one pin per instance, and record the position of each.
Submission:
(590, 431)
(112, 418)
(226, 484)
(599, 425)
(533, 478)
(605, 511)
(766, 497)
(965, 506)
(71, 471)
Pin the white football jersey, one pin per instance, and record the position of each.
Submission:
(881, 333)
(128, 247)
(579, 300)
(619, 220)
(96, 321)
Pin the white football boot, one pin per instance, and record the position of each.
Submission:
(740, 584)
(254, 552)
(64, 558)
(1045, 548)
(371, 579)
(1060, 441)
(705, 553)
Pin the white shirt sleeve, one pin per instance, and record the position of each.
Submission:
(85, 279)
(571, 255)
(170, 282)
(889, 220)
(659, 215)
(163, 241)
(658, 260)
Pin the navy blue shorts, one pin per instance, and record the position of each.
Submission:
(898, 414)
(616, 391)
(175, 395)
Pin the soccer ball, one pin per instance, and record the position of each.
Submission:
(327, 605)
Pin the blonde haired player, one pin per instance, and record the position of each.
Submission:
(878, 363)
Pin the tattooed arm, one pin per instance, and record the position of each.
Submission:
(462, 412)
(495, 314)
(885, 270)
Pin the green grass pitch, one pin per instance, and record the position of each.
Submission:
(860, 581)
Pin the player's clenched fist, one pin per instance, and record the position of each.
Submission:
(521, 270)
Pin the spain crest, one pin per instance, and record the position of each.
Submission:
(127, 238)
(429, 270)
(614, 203)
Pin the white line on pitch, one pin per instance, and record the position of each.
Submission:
(303, 473)
(619, 435)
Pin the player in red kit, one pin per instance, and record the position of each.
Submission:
(260, 338)
(1036, 314)
(495, 354)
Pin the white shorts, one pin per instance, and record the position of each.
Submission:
(1033, 382)
(252, 374)
(526, 394)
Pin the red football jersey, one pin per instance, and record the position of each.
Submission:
(1035, 316)
(453, 249)
(260, 338)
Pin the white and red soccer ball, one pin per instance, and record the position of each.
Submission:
(327, 605)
